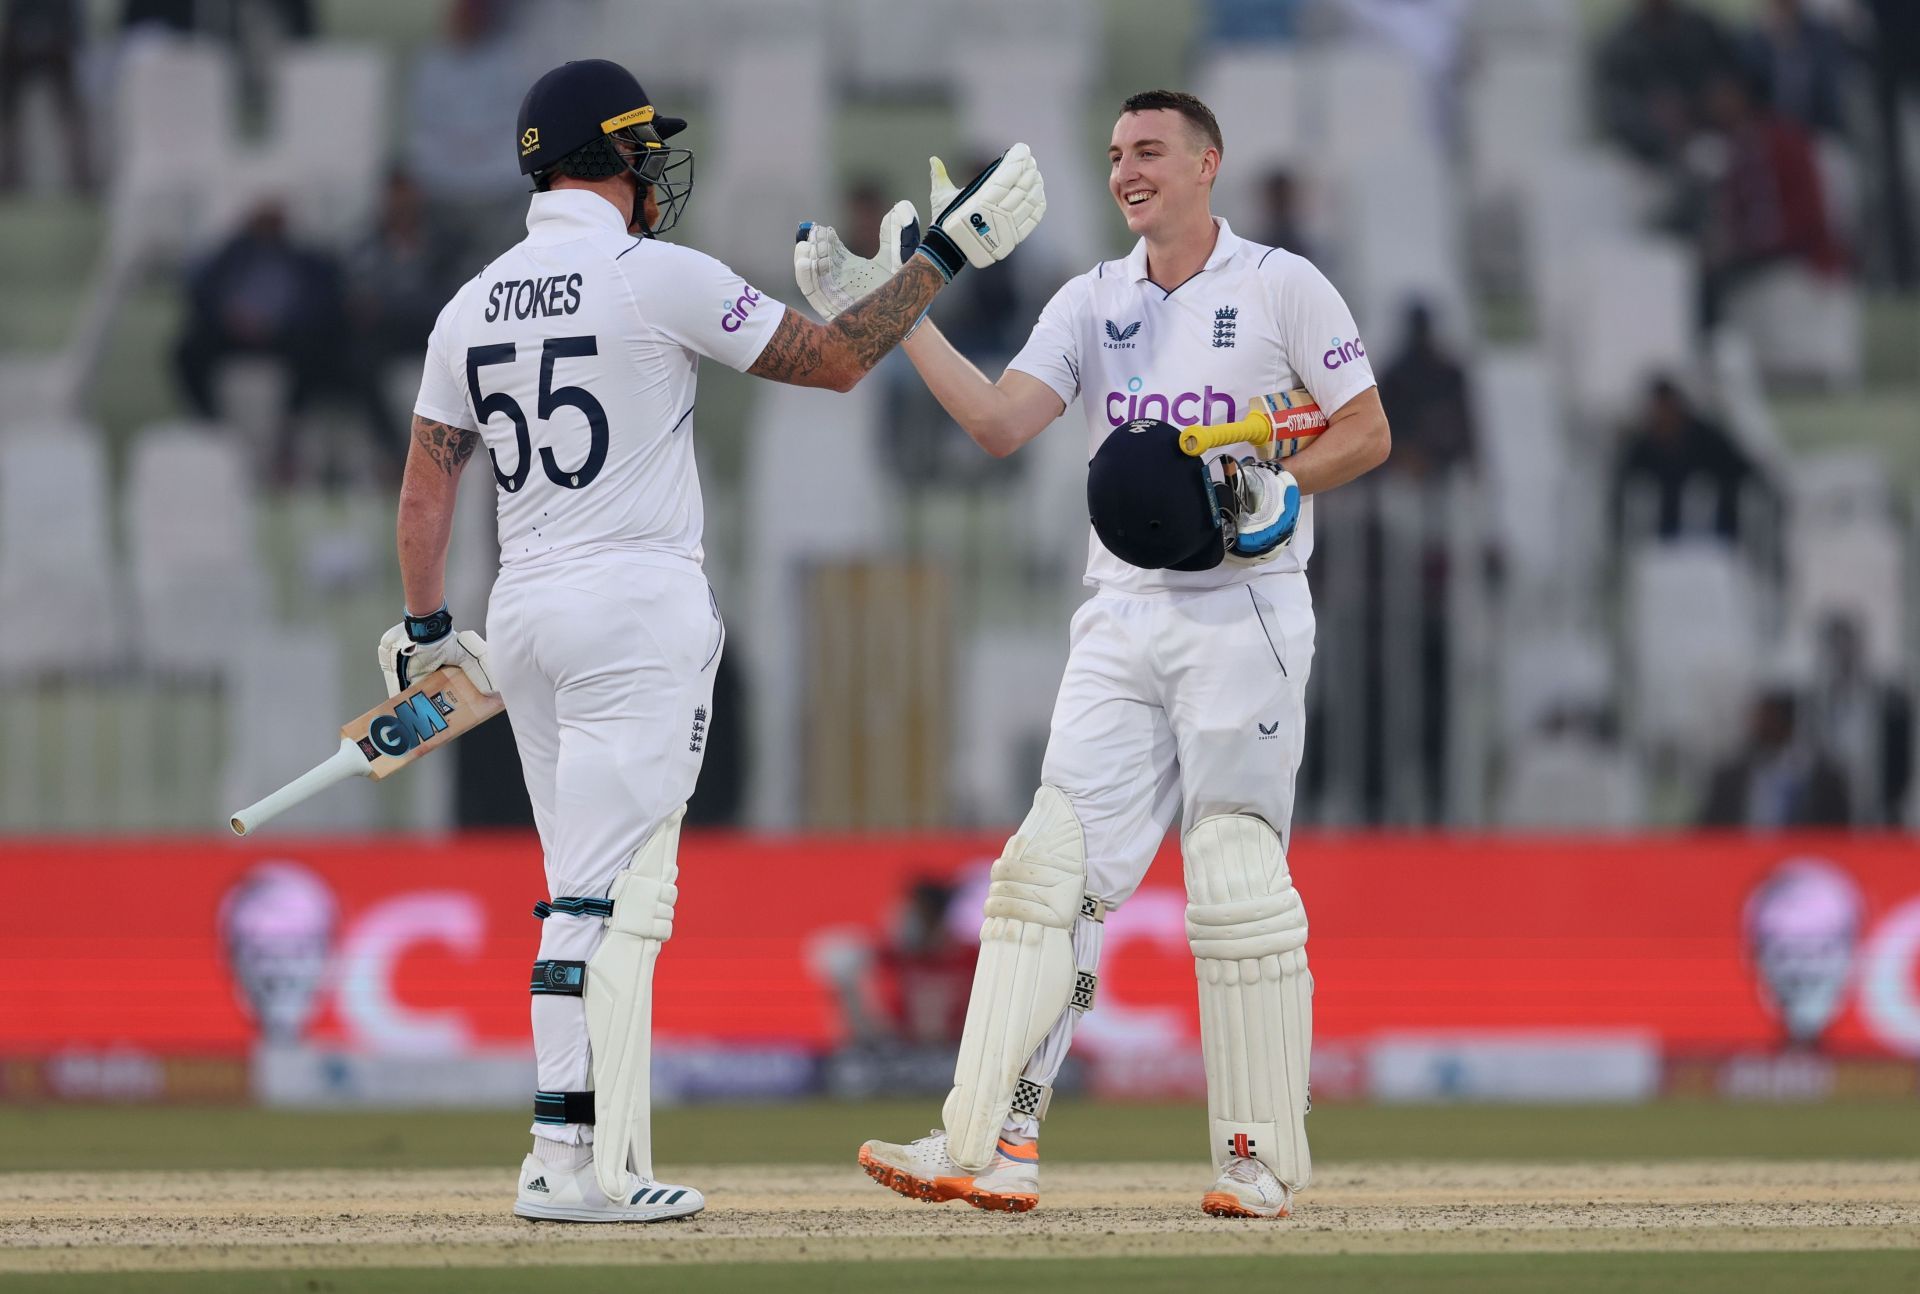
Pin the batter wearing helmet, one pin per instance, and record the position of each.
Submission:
(572, 358)
(1184, 691)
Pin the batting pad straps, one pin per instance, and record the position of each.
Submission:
(556, 978)
(1248, 931)
(556, 1108)
(1025, 978)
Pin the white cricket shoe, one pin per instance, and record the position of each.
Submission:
(1247, 1188)
(923, 1170)
(558, 1195)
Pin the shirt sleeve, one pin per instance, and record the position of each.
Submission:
(1052, 352)
(443, 388)
(697, 302)
(1317, 333)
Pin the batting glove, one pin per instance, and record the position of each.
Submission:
(419, 645)
(985, 221)
(833, 278)
(1265, 500)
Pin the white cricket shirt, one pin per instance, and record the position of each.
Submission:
(574, 355)
(1254, 320)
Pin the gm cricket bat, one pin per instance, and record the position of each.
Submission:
(385, 740)
(1279, 424)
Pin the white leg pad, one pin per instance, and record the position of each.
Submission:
(619, 1002)
(1025, 978)
(1248, 932)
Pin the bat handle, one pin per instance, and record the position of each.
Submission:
(344, 763)
(1255, 428)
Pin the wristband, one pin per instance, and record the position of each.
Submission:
(429, 628)
(943, 252)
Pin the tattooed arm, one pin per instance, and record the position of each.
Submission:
(839, 354)
(434, 460)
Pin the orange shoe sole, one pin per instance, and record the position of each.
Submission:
(1223, 1204)
(939, 1190)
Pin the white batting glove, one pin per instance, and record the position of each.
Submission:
(985, 221)
(419, 645)
(1266, 509)
(833, 278)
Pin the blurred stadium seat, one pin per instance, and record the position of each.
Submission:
(330, 110)
(1693, 645)
(190, 533)
(58, 592)
(174, 144)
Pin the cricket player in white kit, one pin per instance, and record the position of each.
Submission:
(1185, 688)
(572, 356)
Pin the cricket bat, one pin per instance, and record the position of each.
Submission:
(1279, 424)
(385, 740)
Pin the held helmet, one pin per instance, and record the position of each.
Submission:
(1153, 505)
(591, 119)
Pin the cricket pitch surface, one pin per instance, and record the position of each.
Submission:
(263, 1220)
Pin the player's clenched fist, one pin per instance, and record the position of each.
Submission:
(985, 221)
(1264, 501)
(419, 645)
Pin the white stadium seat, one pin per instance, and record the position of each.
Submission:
(284, 707)
(190, 531)
(173, 142)
(1263, 84)
(1629, 319)
(326, 96)
(1693, 645)
(57, 588)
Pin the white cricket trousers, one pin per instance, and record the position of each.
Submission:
(1192, 702)
(606, 665)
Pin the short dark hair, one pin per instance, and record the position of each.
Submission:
(1198, 115)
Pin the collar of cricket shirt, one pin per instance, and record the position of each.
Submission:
(1224, 245)
(565, 213)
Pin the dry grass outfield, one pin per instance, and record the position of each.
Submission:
(156, 1221)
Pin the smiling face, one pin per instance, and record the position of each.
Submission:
(1159, 170)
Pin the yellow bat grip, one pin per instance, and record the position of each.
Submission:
(1256, 428)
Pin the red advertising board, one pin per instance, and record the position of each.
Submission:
(403, 945)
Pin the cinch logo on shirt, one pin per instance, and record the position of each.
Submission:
(738, 309)
(1130, 405)
(1343, 353)
(1119, 338)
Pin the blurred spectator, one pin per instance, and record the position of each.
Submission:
(1895, 46)
(1765, 202)
(909, 986)
(1424, 390)
(463, 106)
(261, 294)
(396, 283)
(40, 42)
(1572, 774)
(1777, 781)
(176, 16)
(1802, 62)
(865, 204)
(925, 972)
(1684, 465)
(1653, 69)
(1281, 223)
(1867, 724)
